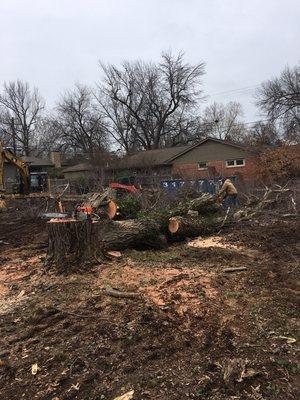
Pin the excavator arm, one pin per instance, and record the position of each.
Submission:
(19, 164)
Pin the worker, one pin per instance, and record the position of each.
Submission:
(228, 192)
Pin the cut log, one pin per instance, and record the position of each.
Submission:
(138, 234)
(182, 227)
(205, 204)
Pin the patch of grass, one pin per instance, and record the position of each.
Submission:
(59, 356)
(272, 389)
(290, 367)
(155, 381)
(200, 392)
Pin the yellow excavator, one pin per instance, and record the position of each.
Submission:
(7, 155)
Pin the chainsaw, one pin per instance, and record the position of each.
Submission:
(97, 206)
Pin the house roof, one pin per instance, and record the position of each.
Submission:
(37, 162)
(151, 158)
(79, 167)
(148, 157)
(226, 142)
(164, 156)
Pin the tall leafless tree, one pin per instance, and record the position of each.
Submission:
(279, 99)
(78, 124)
(20, 111)
(140, 99)
(222, 121)
(262, 134)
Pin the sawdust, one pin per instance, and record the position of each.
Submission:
(169, 344)
(218, 242)
(184, 288)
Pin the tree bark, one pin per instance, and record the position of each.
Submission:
(75, 243)
(205, 204)
(71, 243)
(181, 228)
(138, 234)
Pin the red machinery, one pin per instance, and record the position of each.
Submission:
(126, 188)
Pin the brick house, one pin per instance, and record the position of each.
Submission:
(213, 157)
(208, 158)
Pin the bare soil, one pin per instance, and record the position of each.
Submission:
(196, 331)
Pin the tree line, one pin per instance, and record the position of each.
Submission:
(144, 105)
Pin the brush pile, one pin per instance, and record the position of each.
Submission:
(83, 242)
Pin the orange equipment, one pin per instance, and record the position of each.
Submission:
(127, 188)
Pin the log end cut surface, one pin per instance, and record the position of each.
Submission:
(173, 225)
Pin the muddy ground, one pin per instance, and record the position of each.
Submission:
(196, 331)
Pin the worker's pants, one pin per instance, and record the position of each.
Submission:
(229, 201)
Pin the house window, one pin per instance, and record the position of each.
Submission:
(235, 163)
(202, 165)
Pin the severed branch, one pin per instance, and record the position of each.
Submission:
(109, 291)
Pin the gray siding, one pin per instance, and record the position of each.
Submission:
(10, 173)
(210, 151)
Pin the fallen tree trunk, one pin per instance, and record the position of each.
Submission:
(184, 227)
(205, 204)
(77, 242)
(140, 234)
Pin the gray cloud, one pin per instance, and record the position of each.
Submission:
(54, 43)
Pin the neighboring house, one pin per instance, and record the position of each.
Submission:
(207, 159)
(35, 164)
(147, 162)
(79, 171)
(213, 157)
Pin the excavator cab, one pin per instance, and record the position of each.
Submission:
(28, 182)
(37, 184)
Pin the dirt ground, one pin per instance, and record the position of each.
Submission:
(195, 332)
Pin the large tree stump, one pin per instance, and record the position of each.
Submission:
(71, 242)
(76, 243)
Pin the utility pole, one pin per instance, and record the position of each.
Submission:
(13, 135)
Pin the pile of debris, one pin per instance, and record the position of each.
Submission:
(80, 242)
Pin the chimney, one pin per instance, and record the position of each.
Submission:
(55, 158)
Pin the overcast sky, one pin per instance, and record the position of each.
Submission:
(54, 43)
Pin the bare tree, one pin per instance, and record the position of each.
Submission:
(49, 137)
(222, 121)
(121, 126)
(279, 99)
(78, 124)
(140, 99)
(262, 134)
(20, 110)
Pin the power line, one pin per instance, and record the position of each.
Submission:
(245, 89)
(255, 122)
(237, 122)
